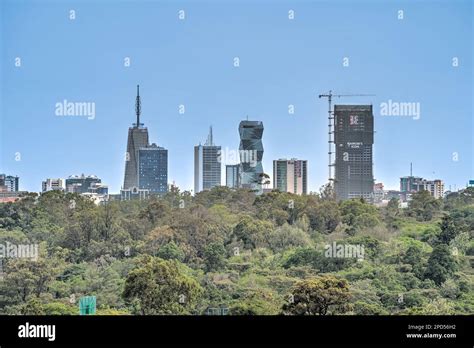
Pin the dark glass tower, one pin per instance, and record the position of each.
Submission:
(137, 138)
(354, 138)
(251, 154)
(153, 169)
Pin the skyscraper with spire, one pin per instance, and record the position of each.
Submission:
(137, 138)
(207, 165)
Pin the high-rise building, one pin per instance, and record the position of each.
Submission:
(232, 175)
(52, 184)
(207, 165)
(137, 138)
(354, 138)
(146, 167)
(251, 154)
(82, 183)
(11, 183)
(290, 175)
(153, 169)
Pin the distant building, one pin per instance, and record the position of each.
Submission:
(207, 165)
(232, 175)
(412, 184)
(114, 196)
(378, 186)
(435, 187)
(134, 194)
(11, 196)
(354, 138)
(146, 167)
(153, 169)
(95, 197)
(82, 183)
(137, 139)
(379, 192)
(393, 194)
(3, 187)
(99, 189)
(290, 175)
(251, 154)
(12, 183)
(53, 184)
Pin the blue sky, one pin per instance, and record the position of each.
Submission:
(190, 62)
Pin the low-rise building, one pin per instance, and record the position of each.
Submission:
(413, 184)
(12, 183)
(81, 183)
(52, 184)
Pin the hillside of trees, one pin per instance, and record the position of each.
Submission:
(233, 250)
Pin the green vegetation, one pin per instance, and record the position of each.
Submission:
(233, 250)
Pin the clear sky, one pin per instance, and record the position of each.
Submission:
(190, 62)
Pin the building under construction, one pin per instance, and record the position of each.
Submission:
(353, 140)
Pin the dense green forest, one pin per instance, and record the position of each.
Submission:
(230, 249)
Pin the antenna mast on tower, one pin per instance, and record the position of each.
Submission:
(138, 106)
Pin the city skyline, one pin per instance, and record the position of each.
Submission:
(345, 117)
(278, 71)
(143, 138)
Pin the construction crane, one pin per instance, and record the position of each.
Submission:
(331, 139)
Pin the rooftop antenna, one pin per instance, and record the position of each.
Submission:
(138, 106)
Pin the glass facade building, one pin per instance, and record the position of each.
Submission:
(153, 169)
(291, 176)
(251, 154)
(207, 165)
(11, 183)
(137, 138)
(232, 175)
